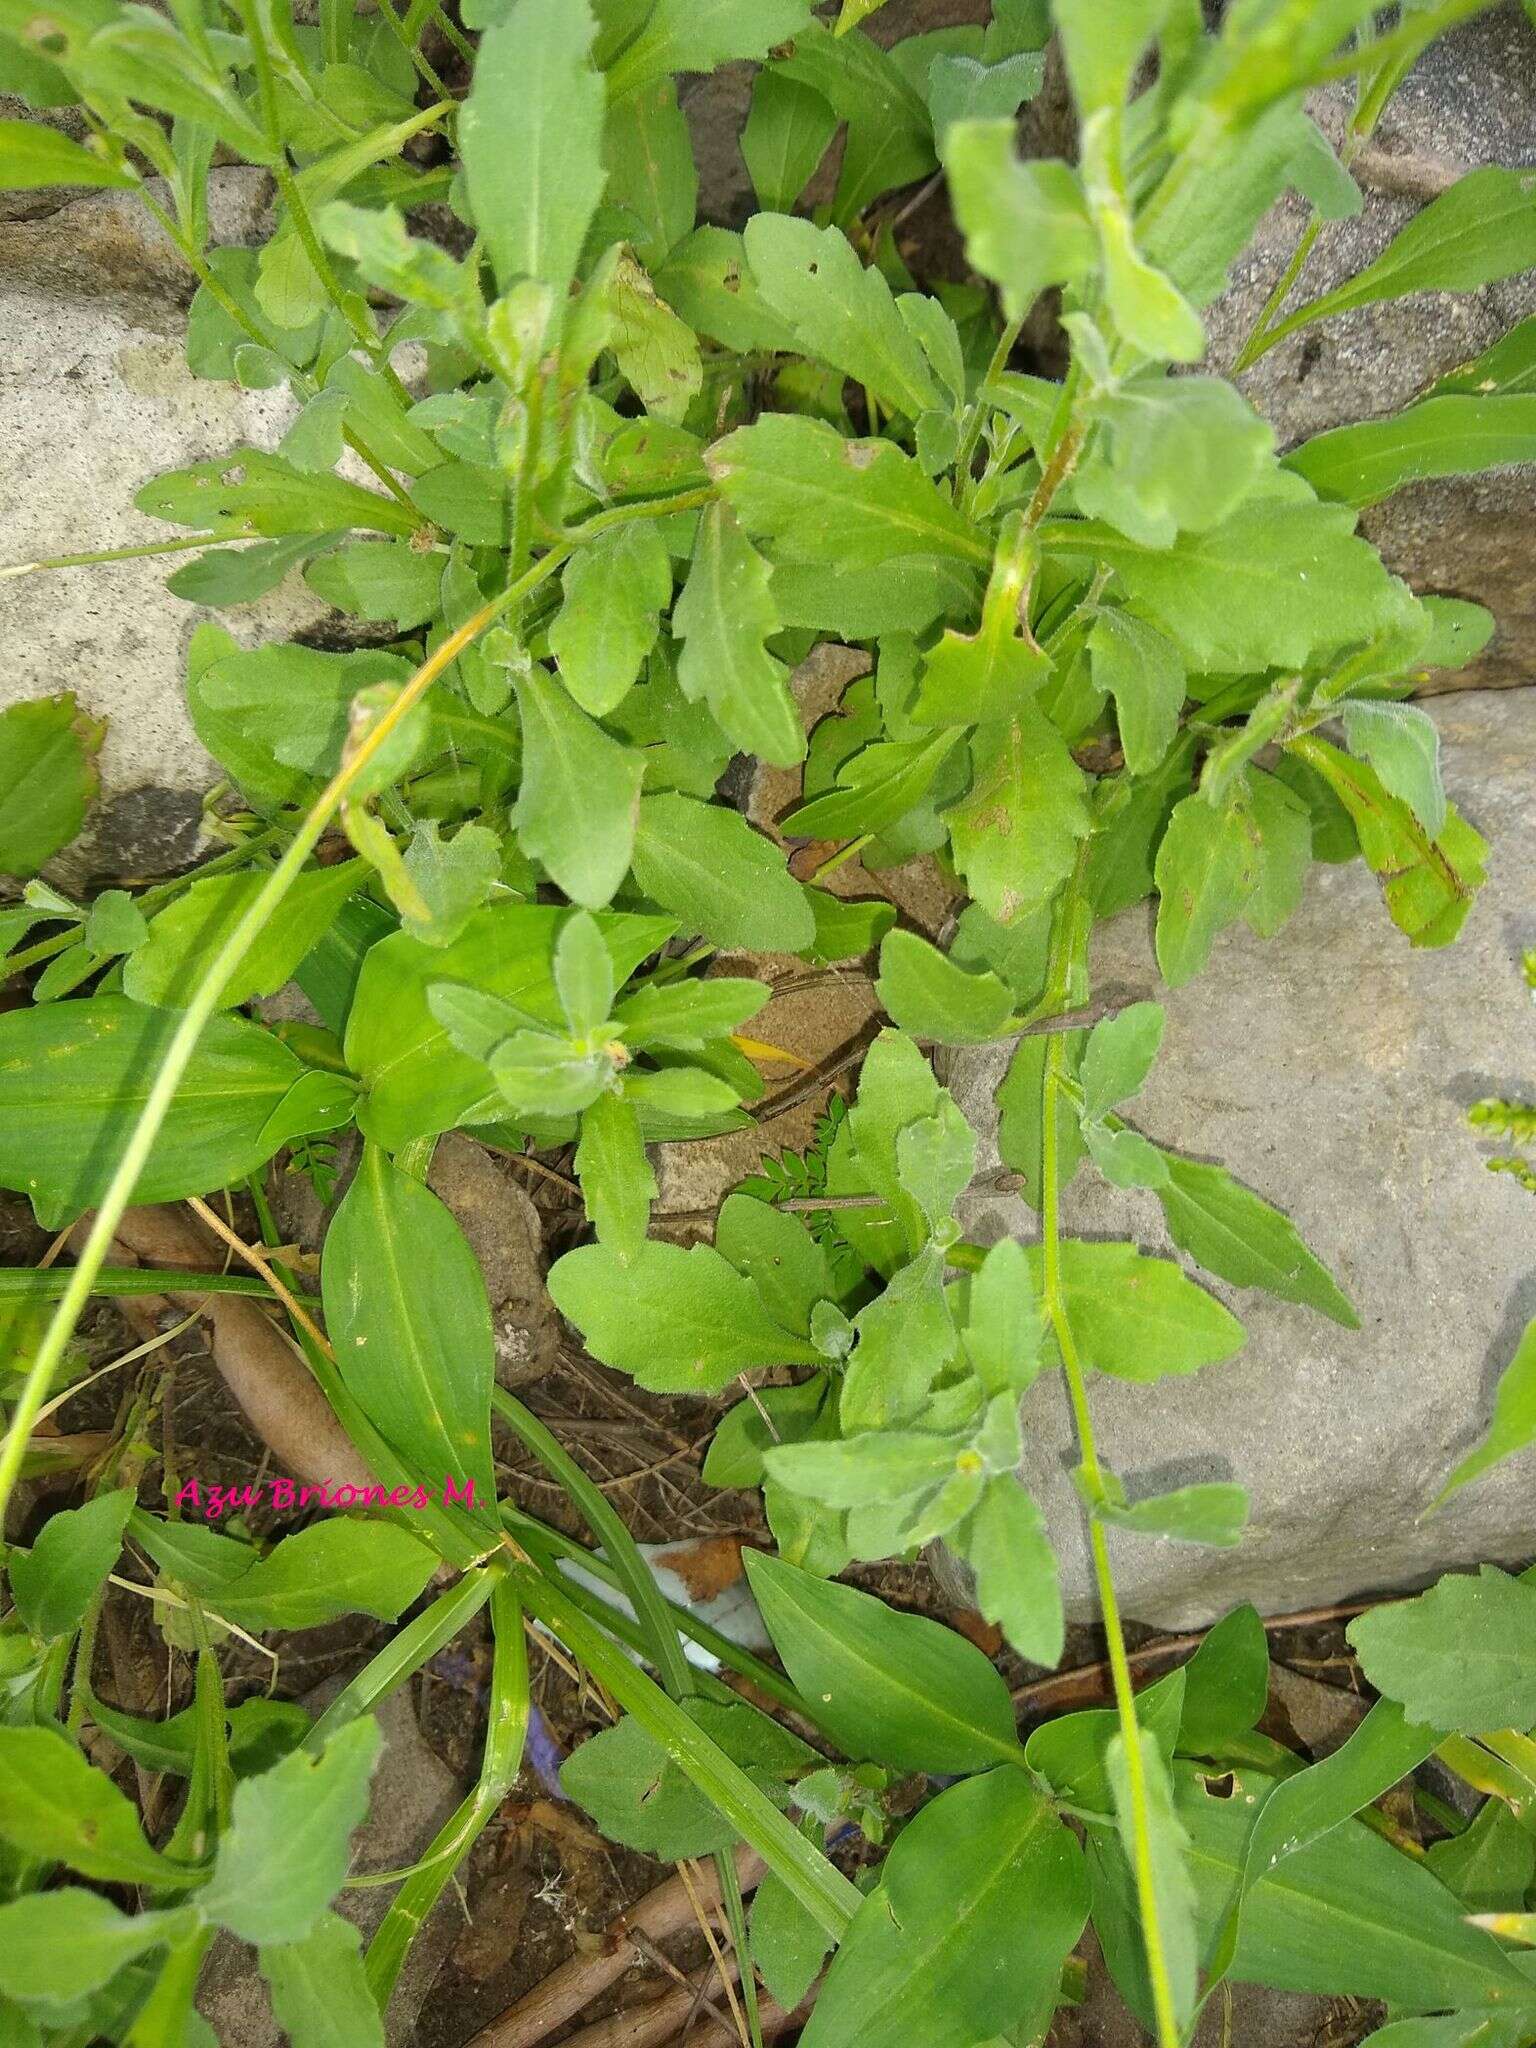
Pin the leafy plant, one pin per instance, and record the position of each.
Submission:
(592, 478)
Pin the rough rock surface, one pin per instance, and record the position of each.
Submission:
(96, 398)
(412, 1796)
(1330, 1069)
(1471, 100)
(504, 1233)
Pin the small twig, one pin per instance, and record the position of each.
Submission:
(560, 1180)
(689, 1873)
(646, 1947)
(661, 1913)
(1086, 1681)
(258, 1263)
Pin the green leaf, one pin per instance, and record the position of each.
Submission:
(1002, 1329)
(1215, 1513)
(1283, 579)
(617, 1184)
(406, 1308)
(56, 1947)
(1207, 869)
(735, 1454)
(57, 1580)
(706, 280)
(962, 88)
(248, 492)
(387, 580)
(1005, 1543)
(777, 1253)
(839, 310)
(933, 1954)
(533, 77)
(47, 777)
(239, 575)
(1182, 453)
(1230, 1231)
(584, 978)
(1226, 1684)
(896, 1088)
(1508, 368)
(699, 35)
(417, 1081)
(1143, 671)
(613, 594)
(330, 1569)
(1361, 464)
(1461, 1657)
(657, 353)
(289, 1840)
(184, 937)
(32, 155)
(893, 1687)
(787, 133)
(1015, 834)
(580, 793)
(975, 677)
(1167, 1851)
(687, 1014)
(56, 1808)
(1482, 229)
(1402, 744)
(875, 787)
(649, 157)
(1140, 1318)
(320, 1993)
(1119, 1055)
(286, 704)
(788, 1947)
(925, 993)
(812, 496)
(1026, 225)
(724, 616)
(637, 1795)
(676, 1321)
(718, 876)
(1428, 883)
(1514, 1418)
(452, 877)
(861, 1471)
(1490, 1867)
(74, 1077)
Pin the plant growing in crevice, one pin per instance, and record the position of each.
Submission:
(598, 481)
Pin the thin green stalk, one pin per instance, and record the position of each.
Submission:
(27, 1283)
(505, 1734)
(94, 555)
(817, 1884)
(976, 418)
(639, 1583)
(200, 1008)
(1261, 339)
(404, 1655)
(1054, 1301)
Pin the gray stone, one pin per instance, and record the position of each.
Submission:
(96, 398)
(1330, 1069)
(1471, 100)
(412, 1796)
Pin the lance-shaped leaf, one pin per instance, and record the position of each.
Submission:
(617, 1184)
(1207, 869)
(74, 1077)
(1226, 1228)
(677, 1321)
(839, 310)
(1402, 744)
(1279, 581)
(1004, 1541)
(1173, 455)
(248, 492)
(319, 1990)
(1167, 1852)
(810, 496)
(1026, 225)
(875, 787)
(699, 35)
(1015, 834)
(786, 136)
(721, 878)
(613, 595)
(924, 992)
(1142, 669)
(1140, 1318)
(534, 78)
(928, 1957)
(1442, 437)
(55, 1808)
(1514, 1418)
(724, 616)
(406, 1307)
(580, 793)
(48, 776)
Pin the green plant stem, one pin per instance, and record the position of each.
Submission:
(403, 1655)
(94, 555)
(201, 1006)
(976, 418)
(1058, 988)
(28, 1283)
(1260, 339)
(366, 336)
